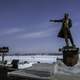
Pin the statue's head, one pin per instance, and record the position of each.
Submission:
(66, 15)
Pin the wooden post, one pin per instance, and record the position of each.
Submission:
(3, 58)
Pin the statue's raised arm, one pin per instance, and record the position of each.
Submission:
(56, 20)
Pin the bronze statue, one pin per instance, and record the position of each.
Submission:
(65, 29)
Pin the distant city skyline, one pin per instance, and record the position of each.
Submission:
(25, 26)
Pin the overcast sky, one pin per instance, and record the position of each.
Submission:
(25, 26)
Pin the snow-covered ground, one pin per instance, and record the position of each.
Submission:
(33, 58)
(27, 61)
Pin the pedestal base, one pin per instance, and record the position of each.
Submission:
(70, 55)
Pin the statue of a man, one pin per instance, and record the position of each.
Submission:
(65, 29)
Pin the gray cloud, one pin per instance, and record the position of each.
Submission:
(10, 31)
(39, 34)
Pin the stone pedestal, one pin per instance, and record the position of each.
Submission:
(70, 55)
